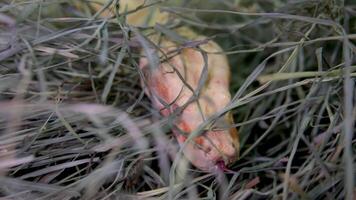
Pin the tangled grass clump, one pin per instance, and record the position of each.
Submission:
(76, 124)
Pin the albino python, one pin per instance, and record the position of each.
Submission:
(214, 148)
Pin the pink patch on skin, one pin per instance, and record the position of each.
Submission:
(174, 107)
(199, 140)
(180, 138)
(184, 127)
(165, 112)
(161, 90)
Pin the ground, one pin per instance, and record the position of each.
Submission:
(76, 124)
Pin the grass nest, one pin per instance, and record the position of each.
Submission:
(75, 123)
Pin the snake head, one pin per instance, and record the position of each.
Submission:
(211, 150)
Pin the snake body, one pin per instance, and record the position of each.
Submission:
(174, 82)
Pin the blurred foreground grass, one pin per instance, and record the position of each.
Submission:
(75, 123)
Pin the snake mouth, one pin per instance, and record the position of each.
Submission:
(220, 164)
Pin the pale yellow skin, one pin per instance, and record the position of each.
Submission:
(147, 16)
(164, 83)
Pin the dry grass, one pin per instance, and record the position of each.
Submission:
(75, 123)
